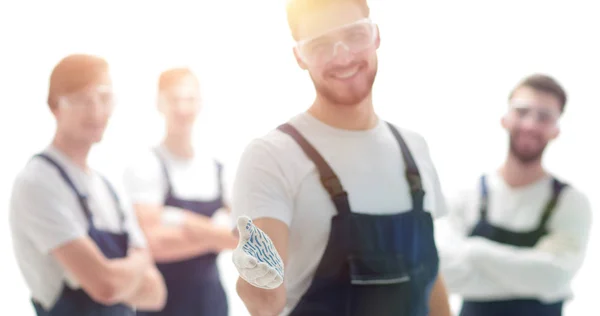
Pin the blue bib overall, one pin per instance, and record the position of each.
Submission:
(514, 307)
(193, 285)
(373, 265)
(76, 302)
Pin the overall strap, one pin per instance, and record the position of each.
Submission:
(81, 197)
(483, 204)
(118, 206)
(329, 179)
(412, 173)
(557, 188)
(220, 179)
(165, 170)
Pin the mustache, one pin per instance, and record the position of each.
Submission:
(529, 134)
(334, 69)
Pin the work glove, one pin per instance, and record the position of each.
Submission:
(256, 258)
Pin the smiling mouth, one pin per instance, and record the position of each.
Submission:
(346, 73)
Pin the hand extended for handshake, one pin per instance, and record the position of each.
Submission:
(256, 258)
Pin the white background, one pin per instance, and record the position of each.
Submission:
(445, 70)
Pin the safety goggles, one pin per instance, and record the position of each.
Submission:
(184, 99)
(353, 38)
(101, 96)
(543, 117)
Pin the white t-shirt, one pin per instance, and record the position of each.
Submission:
(191, 179)
(275, 179)
(45, 214)
(481, 269)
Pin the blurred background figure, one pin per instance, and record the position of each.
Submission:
(514, 240)
(79, 248)
(177, 191)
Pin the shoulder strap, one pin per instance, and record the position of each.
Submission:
(163, 166)
(220, 178)
(557, 189)
(483, 204)
(411, 173)
(329, 179)
(117, 201)
(81, 197)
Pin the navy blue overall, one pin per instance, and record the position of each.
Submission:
(373, 265)
(514, 307)
(77, 302)
(193, 285)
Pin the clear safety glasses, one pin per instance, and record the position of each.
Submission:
(100, 96)
(353, 38)
(182, 99)
(541, 116)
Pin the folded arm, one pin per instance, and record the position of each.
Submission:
(462, 276)
(106, 281)
(528, 271)
(551, 264)
(173, 234)
(177, 234)
(54, 229)
(151, 294)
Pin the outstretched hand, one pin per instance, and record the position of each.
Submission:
(256, 258)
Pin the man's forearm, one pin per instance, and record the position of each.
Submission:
(151, 294)
(438, 302)
(205, 233)
(260, 302)
(529, 271)
(183, 234)
(169, 244)
(124, 276)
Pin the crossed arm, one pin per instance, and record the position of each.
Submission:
(52, 227)
(479, 268)
(133, 280)
(173, 233)
(194, 234)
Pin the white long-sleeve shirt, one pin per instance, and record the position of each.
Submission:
(480, 269)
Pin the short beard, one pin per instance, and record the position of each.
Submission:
(525, 158)
(348, 99)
